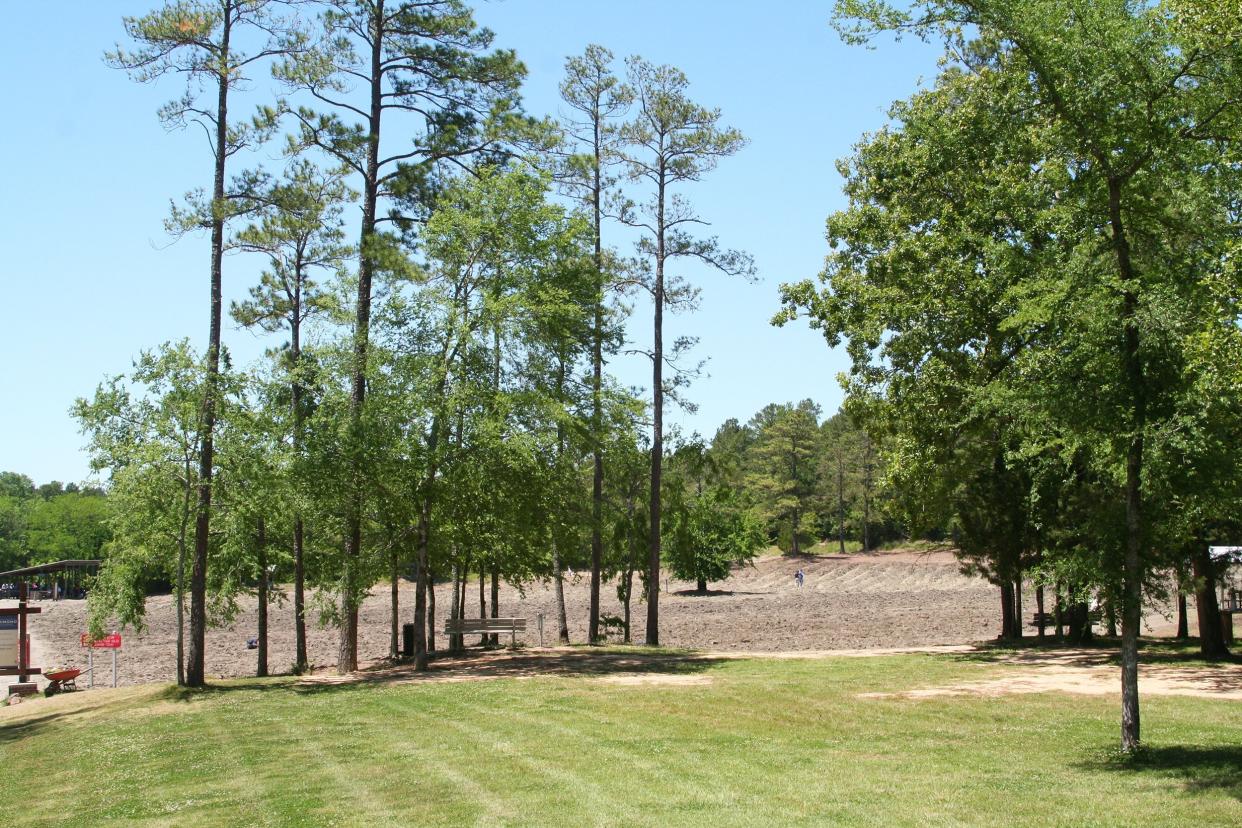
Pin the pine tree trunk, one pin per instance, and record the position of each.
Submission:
(261, 543)
(181, 560)
(597, 384)
(347, 660)
(657, 432)
(195, 675)
(302, 662)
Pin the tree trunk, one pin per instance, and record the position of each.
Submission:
(302, 662)
(1183, 622)
(1079, 623)
(1007, 620)
(420, 590)
(261, 542)
(558, 582)
(841, 504)
(188, 492)
(394, 633)
(1039, 609)
(1211, 634)
(1110, 617)
(597, 384)
(701, 586)
(495, 603)
(657, 430)
(431, 611)
(195, 675)
(628, 579)
(454, 641)
(348, 657)
(1131, 573)
(1017, 606)
(1057, 613)
(482, 603)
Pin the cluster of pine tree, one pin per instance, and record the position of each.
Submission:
(439, 405)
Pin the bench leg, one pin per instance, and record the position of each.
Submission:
(512, 639)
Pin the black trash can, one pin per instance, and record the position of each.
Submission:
(407, 640)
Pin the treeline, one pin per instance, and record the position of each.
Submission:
(50, 522)
(1037, 279)
(439, 405)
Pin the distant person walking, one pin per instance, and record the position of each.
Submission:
(799, 577)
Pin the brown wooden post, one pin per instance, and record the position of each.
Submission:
(22, 664)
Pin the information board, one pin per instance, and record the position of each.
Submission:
(8, 640)
(111, 641)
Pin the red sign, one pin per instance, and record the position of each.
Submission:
(108, 642)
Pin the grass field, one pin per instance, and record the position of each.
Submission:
(674, 741)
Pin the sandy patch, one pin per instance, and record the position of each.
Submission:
(1066, 672)
(663, 680)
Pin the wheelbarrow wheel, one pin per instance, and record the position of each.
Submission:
(50, 690)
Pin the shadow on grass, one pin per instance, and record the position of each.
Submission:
(1097, 653)
(471, 665)
(1198, 769)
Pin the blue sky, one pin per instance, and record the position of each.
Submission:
(89, 278)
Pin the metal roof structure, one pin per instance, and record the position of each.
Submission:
(48, 568)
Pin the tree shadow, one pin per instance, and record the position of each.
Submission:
(1100, 652)
(1198, 768)
(476, 665)
(715, 593)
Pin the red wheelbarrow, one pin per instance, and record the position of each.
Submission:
(61, 681)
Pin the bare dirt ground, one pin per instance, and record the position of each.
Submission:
(1089, 673)
(854, 602)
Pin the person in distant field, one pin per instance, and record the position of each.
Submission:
(799, 577)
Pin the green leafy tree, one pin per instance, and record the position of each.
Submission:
(709, 528)
(144, 430)
(299, 230)
(1103, 143)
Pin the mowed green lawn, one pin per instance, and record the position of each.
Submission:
(762, 742)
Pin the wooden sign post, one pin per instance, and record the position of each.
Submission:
(18, 663)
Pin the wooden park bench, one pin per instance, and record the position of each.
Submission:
(486, 626)
(1047, 619)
